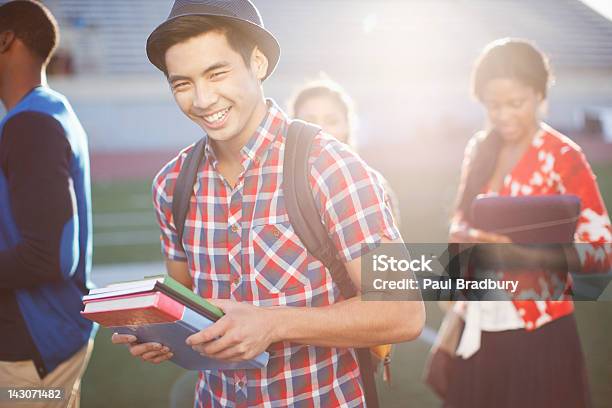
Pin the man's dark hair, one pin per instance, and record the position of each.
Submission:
(186, 27)
(33, 24)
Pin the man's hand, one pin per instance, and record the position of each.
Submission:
(244, 332)
(152, 352)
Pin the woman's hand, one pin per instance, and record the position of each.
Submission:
(463, 233)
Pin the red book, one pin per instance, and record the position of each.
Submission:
(133, 310)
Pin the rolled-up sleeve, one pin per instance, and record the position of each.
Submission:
(163, 186)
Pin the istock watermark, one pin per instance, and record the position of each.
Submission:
(487, 272)
(384, 263)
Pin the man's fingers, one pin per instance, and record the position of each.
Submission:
(117, 338)
(210, 333)
(217, 346)
(139, 349)
(235, 353)
(151, 352)
(150, 355)
(162, 358)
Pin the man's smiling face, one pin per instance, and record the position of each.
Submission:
(215, 88)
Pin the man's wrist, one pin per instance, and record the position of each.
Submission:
(278, 322)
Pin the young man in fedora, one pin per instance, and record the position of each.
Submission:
(238, 247)
(45, 216)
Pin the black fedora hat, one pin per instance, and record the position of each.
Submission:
(240, 13)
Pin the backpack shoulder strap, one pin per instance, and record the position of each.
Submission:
(306, 222)
(183, 189)
(301, 208)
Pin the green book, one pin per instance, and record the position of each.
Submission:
(179, 292)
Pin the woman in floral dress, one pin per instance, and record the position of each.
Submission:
(522, 353)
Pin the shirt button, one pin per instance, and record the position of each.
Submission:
(235, 228)
(236, 280)
(276, 232)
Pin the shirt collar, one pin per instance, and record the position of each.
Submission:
(266, 133)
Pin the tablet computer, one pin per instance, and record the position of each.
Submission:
(530, 219)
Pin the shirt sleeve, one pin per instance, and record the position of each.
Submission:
(593, 229)
(390, 198)
(163, 186)
(350, 198)
(35, 156)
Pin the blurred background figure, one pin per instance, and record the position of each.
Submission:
(527, 352)
(324, 103)
(45, 216)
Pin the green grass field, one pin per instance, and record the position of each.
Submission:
(125, 229)
(123, 218)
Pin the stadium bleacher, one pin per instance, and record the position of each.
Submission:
(573, 34)
(414, 55)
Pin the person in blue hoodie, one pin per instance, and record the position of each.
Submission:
(45, 214)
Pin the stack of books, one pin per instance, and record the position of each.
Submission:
(160, 309)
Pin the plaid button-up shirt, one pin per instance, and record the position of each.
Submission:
(239, 245)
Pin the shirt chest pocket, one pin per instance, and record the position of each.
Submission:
(279, 262)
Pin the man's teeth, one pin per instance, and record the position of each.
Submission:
(217, 116)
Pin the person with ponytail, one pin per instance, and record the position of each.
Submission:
(326, 104)
(523, 353)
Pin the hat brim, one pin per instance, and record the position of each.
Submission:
(263, 38)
